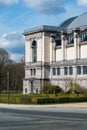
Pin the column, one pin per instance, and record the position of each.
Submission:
(76, 42)
(79, 47)
(63, 39)
(52, 49)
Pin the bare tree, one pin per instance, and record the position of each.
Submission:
(4, 57)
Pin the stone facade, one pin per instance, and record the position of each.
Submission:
(54, 55)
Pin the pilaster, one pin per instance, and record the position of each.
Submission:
(63, 41)
(76, 42)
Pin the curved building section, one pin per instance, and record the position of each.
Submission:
(80, 22)
(64, 25)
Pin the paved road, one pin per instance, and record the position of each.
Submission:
(40, 119)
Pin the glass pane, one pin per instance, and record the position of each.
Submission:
(65, 70)
(54, 71)
(58, 71)
(70, 70)
(79, 70)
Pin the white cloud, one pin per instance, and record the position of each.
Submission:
(82, 3)
(5, 3)
(16, 57)
(13, 43)
(47, 6)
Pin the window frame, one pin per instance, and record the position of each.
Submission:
(84, 69)
(65, 70)
(54, 71)
(58, 71)
(34, 51)
(70, 70)
(79, 70)
(70, 40)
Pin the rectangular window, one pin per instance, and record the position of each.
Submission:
(65, 71)
(58, 42)
(58, 71)
(84, 69)
(70, 40)
(83, 37)
(25, 90)
(70, 70)
(33, 72)
(54, 71)
(78, 70)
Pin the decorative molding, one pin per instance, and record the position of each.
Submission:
(33, 36)
(69, 63)
(70, 45)
(36, 64)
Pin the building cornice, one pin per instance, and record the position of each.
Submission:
(43, 28)
(69, 62)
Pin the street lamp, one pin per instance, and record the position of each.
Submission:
(8, 87)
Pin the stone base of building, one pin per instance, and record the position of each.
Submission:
(66, 84)
(33, 85)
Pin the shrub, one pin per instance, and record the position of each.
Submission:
(76, 88)
(44, 98)
(51, 89)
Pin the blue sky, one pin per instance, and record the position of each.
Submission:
(19, 15)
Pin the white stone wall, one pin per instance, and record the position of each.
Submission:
(27, 73)
(27, 51)
(58, 54)
(39, 49)
(26, 85)
(46, 48)
(84, 51)
(70, 53)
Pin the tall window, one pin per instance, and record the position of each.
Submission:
(31, 71)
(65, 71)
(71, 40)
(78, 70)
(83, 37)
(70, 70)
(54, 71)
(58, 71)
(84, 69)
(34, 51)
(34, 72)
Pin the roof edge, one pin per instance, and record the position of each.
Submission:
(40, 29)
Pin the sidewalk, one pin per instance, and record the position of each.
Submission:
(71, 105)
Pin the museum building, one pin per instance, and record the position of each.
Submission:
(56, 55)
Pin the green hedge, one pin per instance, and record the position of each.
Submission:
(43, 99)
(58, 100)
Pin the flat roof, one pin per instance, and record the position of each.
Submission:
(40, 29)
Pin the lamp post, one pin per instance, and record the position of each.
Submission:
(8, 87)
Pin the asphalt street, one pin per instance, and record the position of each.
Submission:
(40, 119)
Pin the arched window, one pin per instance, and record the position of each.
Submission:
(34, 51)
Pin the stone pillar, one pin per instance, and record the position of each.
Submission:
(31, 58)
(52, 50)
(76, 42)
(66, 47)
(77, 53)
(79, 47)
(63, 38)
